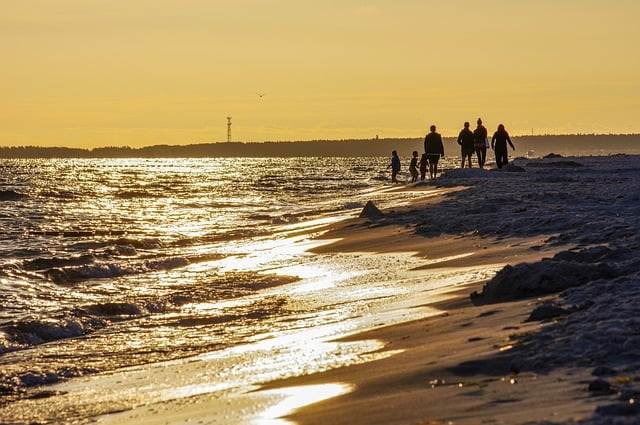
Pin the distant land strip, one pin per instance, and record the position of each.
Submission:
(588, 144)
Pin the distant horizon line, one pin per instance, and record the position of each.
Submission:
(374, 139)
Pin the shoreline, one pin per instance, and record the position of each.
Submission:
(548, 241)
(539, 342)
(439, 374)
(568, 365)
(405, 359)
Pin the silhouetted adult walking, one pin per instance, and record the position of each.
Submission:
(434, 149)
(466, 142)
(499, 145)
(481, 142)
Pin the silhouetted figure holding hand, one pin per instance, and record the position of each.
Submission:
(466, 142)
(481, 143)
(499, 145)
(434, 149)
(424, 164)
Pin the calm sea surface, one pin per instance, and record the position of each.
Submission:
(108, 263)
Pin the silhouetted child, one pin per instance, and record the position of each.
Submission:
(413, 167)
(424, 164)
(395, 166)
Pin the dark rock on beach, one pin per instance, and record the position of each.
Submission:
(370, 210)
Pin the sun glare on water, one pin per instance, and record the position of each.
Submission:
(297, 397)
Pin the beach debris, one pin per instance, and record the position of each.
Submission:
(370, 210)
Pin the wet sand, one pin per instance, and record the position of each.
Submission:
(449, 368)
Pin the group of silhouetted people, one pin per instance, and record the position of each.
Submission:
(476, 141)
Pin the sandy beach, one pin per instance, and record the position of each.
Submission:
(541, 328)
(550, 339)
(454, 367)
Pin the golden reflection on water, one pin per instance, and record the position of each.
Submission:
(336, 295)
(268, 252)
(449, 258)
(297, 397)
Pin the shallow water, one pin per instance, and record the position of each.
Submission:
(106, 264)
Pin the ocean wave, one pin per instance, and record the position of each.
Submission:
(107, 259)
(167, 263)
(138, 314)
(150, 243)
(60, 194)
(137, 194)
(80, 321)
(353, 205)
(12, 195)
(23, 333)
(85, 319)
(286, 219)
(76, 233)
(71, 275)
(74, 274)
(203, 258)
(114, 309)
(54, 262)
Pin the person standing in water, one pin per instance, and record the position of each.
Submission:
(395, 166)
(434, 149)
(413, 167)
(466, 142)
(480, 143)
(499, 145)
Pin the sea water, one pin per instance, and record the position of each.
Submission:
(113, 263)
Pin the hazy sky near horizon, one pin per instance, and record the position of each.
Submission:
(87, 73)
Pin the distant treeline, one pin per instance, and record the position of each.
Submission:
(540, 145)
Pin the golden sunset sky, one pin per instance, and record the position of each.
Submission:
(89, 73)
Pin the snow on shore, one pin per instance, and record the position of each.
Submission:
(589, 206)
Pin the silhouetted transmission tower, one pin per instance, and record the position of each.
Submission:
(228, 129)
